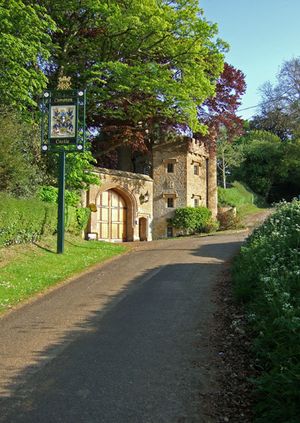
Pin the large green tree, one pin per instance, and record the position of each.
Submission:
(147, 65)
(271, 166)
(229, 156)
(262, 167)
(24, 42)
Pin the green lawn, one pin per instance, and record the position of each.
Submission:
(28, 269)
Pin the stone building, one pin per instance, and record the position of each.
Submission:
(124, 206)
(181, 175)
(132, 206)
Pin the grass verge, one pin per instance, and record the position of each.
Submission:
(28, 269)
(246, 202)
(245, 210)
(241, 197)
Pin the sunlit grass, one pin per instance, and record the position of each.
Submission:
(28, 269)
(241, 197)
(244, 210)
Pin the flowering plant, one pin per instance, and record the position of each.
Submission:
(267, 279)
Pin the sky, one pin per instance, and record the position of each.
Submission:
(262, 35)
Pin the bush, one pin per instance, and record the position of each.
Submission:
(212, 225)
(24, 220)
(21, 167)
(27, 220)
(191, 219)
(76, 219)
(228, 218)
(49, 194)
(267, 278)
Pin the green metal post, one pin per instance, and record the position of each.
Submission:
(61, 203)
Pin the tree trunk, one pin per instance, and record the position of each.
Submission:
(223, 170)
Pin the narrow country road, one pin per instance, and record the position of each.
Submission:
(126, 342)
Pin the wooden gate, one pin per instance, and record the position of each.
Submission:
(112, 216)
(143, 229)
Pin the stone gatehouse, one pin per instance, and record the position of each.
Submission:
(131, 206)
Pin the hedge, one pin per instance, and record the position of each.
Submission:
(26, 220)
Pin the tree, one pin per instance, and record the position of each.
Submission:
(147, 65)
(229, 155)
(275, 121)
(21, 168)
(280, 106)
(220, 111)
(79, 171)
(262, 167)
(24, 42)
(287, 185)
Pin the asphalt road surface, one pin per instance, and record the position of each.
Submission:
(126, 342)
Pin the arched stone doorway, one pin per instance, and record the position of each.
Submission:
(143, 229)
(121, 201)
(112, 216)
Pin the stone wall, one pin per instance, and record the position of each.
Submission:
(185, 184)
(196, 183)
(137, 192)
(168, 185)
(212, 200)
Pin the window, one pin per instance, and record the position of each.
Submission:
(170, 167)
(170, 202)
(196, 202)
(196, 169)
(169, 232)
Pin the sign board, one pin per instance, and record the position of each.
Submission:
(63, 121)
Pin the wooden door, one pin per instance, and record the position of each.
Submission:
(143, 229)
(112, 216)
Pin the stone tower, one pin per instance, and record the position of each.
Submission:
(184, 174)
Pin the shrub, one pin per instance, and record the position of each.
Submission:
(191, 219)
(27, 220)
(49, 194)
(76, 219)
(24, 220)
(228, 218)
(212, 225)
(267, 278)
(72, 198)
(21, 168)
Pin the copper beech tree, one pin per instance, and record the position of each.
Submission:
(219, 114)
(220, 111)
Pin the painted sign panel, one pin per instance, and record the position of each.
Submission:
(62, 121)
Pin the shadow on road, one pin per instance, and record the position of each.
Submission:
(134, 359)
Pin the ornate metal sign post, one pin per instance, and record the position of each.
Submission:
(63, 131)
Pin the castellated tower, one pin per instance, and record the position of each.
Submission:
(184, 174)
